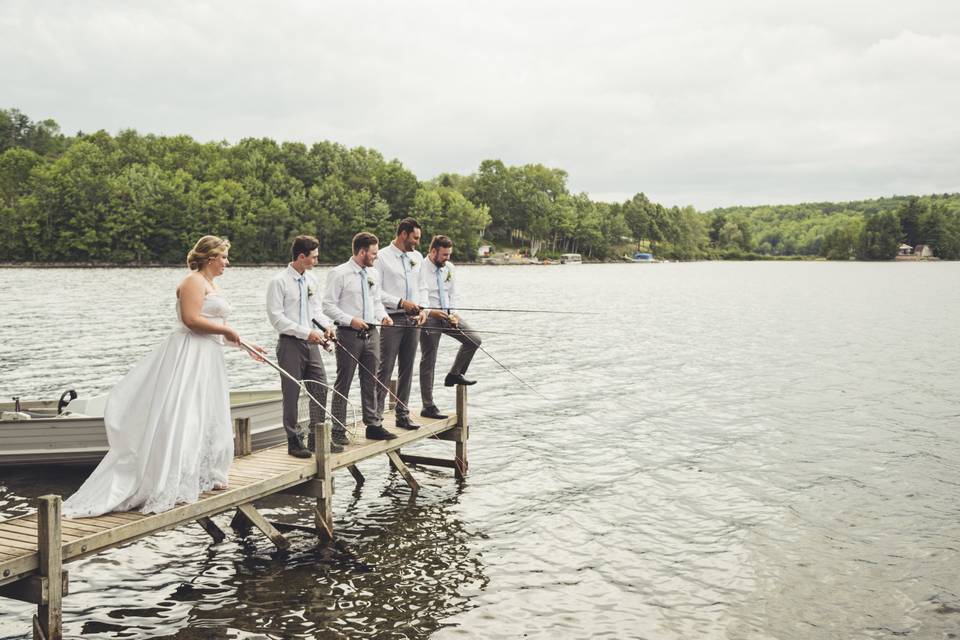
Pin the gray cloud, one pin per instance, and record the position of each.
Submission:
(698, 102)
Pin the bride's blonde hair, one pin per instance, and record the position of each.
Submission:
(206, 248)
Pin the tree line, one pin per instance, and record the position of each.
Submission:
(134, 198)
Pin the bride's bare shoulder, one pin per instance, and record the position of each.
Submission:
(193, 285)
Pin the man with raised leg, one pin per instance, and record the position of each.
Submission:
(439, 280)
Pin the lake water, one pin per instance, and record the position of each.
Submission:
(723, 450)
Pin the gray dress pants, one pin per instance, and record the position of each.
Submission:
(397, 344)
(430, 341)
(353, 346)
(301, 359)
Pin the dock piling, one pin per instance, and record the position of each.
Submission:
(463, 433)
(48, 623)
(324, 509)
(35, 546)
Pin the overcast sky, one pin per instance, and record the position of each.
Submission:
(708, 103)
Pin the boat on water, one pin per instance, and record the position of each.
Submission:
(71, 431)
(640, 256)
(571, 258)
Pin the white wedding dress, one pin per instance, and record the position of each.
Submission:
(168, 425)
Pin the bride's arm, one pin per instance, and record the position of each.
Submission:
(192, 292)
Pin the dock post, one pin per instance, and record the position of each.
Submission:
(48, 623)
(324, 509)
(242, 439)
(463, 433)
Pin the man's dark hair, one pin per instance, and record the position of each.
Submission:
(304, 245)
(363, 240)
(440, 241)
(407, 225)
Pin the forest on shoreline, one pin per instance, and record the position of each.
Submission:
(131, 198)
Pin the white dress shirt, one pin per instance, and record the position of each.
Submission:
(400, 275)
(428, 280)
(343, 299)
(283, 304)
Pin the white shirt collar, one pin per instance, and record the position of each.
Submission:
(293, 273)
(355, 265)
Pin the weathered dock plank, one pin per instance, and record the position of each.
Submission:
(34, 547)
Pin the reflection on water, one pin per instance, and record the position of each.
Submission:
(400, 568)
(728, 450)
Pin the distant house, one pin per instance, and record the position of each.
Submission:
(906, 250)
(484, 250)
(923, 251)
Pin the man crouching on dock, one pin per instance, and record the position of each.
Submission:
(437, 277)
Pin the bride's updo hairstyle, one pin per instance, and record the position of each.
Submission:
(206, 248)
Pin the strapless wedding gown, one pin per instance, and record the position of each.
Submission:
(168, 425)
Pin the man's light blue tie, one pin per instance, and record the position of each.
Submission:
(304, 312)
(406, 279)
(441, 292)
(365, 294)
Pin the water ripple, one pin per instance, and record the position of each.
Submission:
(733, 451)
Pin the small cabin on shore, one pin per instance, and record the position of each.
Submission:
(923, 251)
(905, 250)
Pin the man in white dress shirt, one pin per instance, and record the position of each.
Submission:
(439, 282)
(293, 303)
(399, 265)
(352, 299)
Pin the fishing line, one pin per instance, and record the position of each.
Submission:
(375, 377)
(300, 383)
(444, 330)
(565, 313)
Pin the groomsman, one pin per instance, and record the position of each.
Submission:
(399, 265)
(439, 280)
(353, 300)
(293, 303)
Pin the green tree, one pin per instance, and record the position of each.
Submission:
(909, 214)
(840, 242)
(447, 211)
(880, 238)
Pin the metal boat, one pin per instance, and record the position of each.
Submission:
(71, 431)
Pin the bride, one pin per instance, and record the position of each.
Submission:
(168, 420)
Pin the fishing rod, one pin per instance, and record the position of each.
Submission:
(551, 311)
(300, 383)
(503, 366)
(361, 365)
(444, 330)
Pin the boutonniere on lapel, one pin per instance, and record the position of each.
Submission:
(370, 282)
(449, 275)
(309, 292)
(413, 262)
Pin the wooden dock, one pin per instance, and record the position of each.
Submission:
(34, 548)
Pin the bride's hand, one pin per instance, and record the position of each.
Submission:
(230, 335)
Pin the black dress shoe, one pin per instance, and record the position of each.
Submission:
(312, 444)
(340, 436)
(377, 432)
(433, 412)
(296, 449)
(406, 423)
(457, 378)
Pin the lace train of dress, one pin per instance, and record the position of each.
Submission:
(168, 425)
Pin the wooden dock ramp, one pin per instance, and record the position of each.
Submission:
(34, 547)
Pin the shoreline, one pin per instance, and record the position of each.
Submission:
(279, 265)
